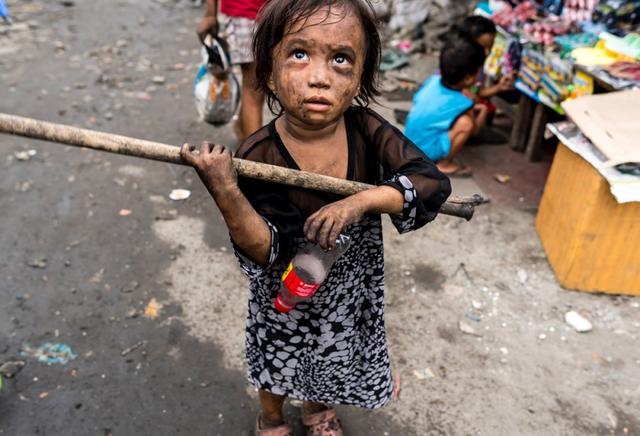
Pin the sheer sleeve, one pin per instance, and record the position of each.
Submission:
(271, 202)
(406, 168)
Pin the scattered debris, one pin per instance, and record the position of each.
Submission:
(23, 186)
(502, 178)
(39, 262)
(132, 348)
(467, 328)
(132, 286)
(43, 394)
(133, 313)
(423, 374)
(179, 194)
(140, 95)
(578, 322)
(472, 316)
(50, 353)
(152, 310)
(10, 368)
(125, 212)
(522, 276)
(168, 215)
(97, 277)
(25, 155)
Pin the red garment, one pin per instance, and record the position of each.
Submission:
(241, 8)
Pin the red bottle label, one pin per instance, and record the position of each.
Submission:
(295, 285)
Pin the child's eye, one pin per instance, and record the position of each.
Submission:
(299, 54)
(341, 59)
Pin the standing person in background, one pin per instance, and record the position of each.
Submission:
(236, 26)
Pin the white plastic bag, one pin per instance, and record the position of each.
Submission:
(216, 89)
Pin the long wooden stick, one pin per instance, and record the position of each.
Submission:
(457, 206)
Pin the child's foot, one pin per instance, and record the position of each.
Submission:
(264, 429)
(324, 423)
(453, 169)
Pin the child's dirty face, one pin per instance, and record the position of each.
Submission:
(486, 40)
(318, 65)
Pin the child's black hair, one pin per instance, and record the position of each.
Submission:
(459, 58)
(274, 21)
(474, 26)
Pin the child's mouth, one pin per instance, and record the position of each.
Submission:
(317, 104)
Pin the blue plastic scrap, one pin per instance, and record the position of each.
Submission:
(50, 353)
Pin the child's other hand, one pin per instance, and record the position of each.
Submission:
(214, 165)
(324, 226)
(505, 83)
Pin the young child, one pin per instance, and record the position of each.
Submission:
(317, 63)
(483, 31)
(442, 117)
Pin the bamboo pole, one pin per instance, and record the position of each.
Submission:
(462, 207)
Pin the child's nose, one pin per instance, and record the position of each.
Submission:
(319, 75)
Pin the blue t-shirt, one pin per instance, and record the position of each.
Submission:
(435, 109)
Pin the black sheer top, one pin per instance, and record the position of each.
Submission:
(378, 154)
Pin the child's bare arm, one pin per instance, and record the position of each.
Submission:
(248, 230)
(324, 226)
(208, 25)
(504, 84)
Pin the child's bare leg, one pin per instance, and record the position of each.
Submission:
(271, 409)
(250, 116)
(309, 407)
(459, 134)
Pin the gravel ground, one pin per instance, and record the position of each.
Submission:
(475, 317)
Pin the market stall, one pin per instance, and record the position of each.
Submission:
(589, 215)
(561, 50)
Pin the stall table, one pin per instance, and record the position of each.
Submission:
(592, 242)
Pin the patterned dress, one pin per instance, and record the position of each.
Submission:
(332, 349)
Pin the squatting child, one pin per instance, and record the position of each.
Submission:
(316, 60)
(442, 117)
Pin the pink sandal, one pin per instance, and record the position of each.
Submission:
(324, 423)
(281, 430)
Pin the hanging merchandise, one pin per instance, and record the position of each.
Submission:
(617, 15)
(532, 68)
(557, 78)
(576, 11)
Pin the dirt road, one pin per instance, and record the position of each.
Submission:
(88, 239)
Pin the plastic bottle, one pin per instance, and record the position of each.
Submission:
(306, 272)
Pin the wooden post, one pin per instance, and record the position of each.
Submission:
(518, 139)
(536, 134)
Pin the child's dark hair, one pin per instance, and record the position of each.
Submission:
(459, 58)
(273, 23)
(474, 26)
